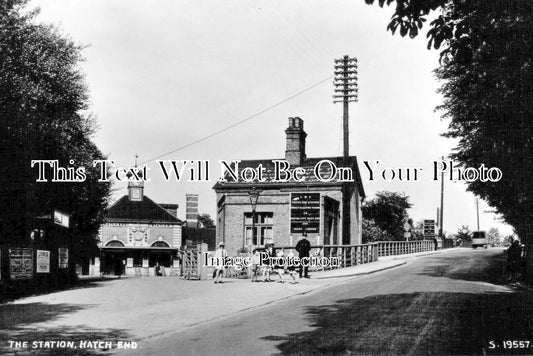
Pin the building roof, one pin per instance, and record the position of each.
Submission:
(309, 177)
(143, 211)
(169, 206)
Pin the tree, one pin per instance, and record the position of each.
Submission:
(494, 237)
(372, 233)
(486, 67)
(464, 233)
(205, 220)
(43, 115)
(389, 211)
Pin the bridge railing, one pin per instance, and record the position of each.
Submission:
(341, 255)
(392, 248)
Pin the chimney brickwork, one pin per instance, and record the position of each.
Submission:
(295, 152)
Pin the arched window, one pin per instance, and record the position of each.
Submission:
(114, 243)
(160, 244)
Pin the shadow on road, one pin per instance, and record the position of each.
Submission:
(414, 323)
(427, 321)
(15, 321)
(485, 267)
(27, 291)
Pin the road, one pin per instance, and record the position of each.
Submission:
(449, 303)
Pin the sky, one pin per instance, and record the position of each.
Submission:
(164, 74)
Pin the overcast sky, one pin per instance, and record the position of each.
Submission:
(165, 73)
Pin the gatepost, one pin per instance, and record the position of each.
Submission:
(202, 265)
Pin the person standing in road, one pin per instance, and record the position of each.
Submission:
(303, 247)
(220, 257)
(266, 262)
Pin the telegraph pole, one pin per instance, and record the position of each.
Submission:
(477, 213)
(346, 91)
(441, 203)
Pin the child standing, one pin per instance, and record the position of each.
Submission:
(256, 261)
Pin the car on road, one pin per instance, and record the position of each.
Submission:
(479, 239)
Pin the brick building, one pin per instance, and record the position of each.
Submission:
(319, 202)
(140, 233)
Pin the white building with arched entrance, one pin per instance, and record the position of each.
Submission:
(137, 234)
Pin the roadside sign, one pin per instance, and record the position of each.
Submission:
(429, 228)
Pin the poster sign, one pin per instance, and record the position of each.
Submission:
(63, 257)
(305, 212)
(21, 263)
(43, 261)
(61, 219)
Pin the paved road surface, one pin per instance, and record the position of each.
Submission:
(451, 303)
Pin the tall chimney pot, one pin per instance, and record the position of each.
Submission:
(295, 152)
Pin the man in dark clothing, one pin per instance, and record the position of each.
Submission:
(303, 247)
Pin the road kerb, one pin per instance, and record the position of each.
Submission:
(362, 273)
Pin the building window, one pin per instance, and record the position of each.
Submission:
(263, 228)
(160, 244)
(114, 243)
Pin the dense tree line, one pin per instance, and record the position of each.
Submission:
(44, 115)
(486, 69)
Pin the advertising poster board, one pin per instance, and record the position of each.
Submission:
(42, 261)
(20, 263)
(63, 257)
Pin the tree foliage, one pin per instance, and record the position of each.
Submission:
(464, 233)
(388, 210)
(372, 232)
(205, 220)
(43, 115)
(486, 68)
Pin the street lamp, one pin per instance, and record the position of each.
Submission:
(254, 197)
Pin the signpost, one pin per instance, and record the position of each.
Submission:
(305, 213)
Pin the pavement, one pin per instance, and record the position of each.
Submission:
(139, 309)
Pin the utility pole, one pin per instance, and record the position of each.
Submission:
(477, 213)
(441, 202)
(346, 91)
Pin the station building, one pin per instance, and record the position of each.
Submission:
(137, 234)
(253, 212)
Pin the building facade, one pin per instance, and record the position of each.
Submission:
(138, 234)
(321, 200)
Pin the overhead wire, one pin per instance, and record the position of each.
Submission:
(239, 122)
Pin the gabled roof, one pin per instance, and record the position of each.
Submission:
(143, 211)
(309, 177)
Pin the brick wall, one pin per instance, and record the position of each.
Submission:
(230, 217)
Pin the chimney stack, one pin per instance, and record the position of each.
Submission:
(295, 152)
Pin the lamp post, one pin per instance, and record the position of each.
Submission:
(254, 197)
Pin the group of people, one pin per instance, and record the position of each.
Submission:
(267, 261)
(264, 264)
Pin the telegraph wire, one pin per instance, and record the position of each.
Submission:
(239, 122)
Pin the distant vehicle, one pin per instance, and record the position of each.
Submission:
(479, 239)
